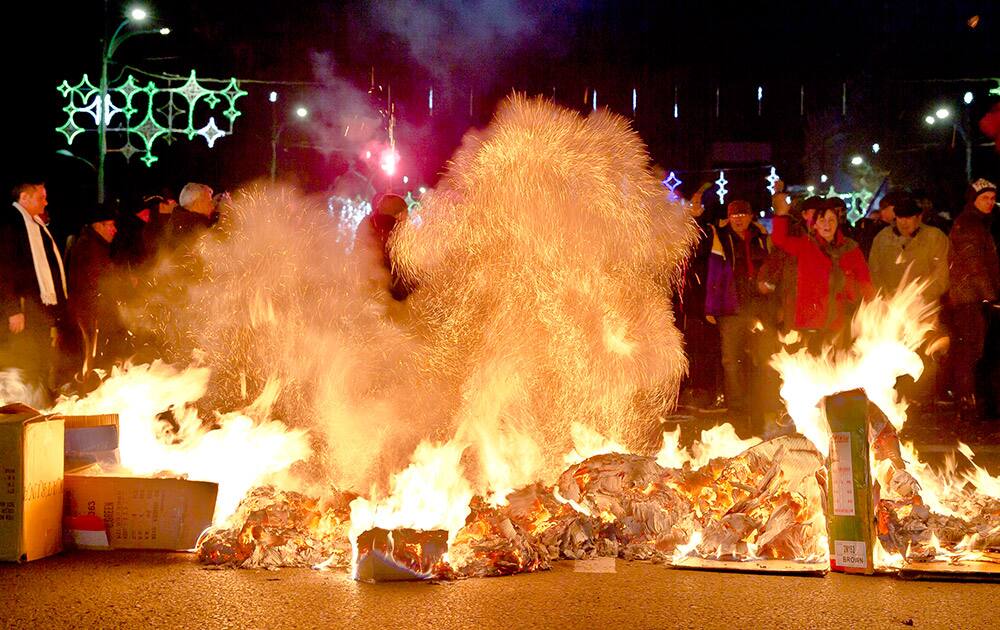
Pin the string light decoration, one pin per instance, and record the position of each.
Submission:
(721, 183)
(772, 179)
(139, 112)
(672, 182)
(996, 91)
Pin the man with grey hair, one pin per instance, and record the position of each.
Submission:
(195, 213)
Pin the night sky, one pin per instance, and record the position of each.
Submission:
(883, 63)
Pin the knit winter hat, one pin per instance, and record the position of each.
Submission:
(979, 187)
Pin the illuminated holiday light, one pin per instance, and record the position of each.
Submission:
(876, 148)
(406, 180)
(430, 101)
(810, 189)
(721, 183)
(635, 100)
(760, 98)
(368, 155)
(164, 31)
(823, 178)
(967, 99)
(676, 112)
(857, 160)
(942, 113)
(138, 14)
(930, 120)
(995, 91)
(772, 179)
(141, 107)
(301, 112)
(595, 101)
(423, 189)
(672, 182)
(273, 97)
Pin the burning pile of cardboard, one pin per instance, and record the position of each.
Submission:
(965, 524)
(764, 503)
(274, 528)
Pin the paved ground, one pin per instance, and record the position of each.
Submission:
(122, 589)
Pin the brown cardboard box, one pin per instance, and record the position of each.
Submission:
(143, 513)
(31, 484)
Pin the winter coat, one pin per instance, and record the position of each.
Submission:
(831, 278)
(185, 226)
(923, 256)
(732, 270)
(974, 267)
(18, 281)
(90, 272)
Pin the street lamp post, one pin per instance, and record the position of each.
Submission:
(960, 127)
(276, 129)
(136, 15)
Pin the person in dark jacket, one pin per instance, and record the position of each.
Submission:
(701, 339)
(739, 248)
(32, 288)
(92, 284)
(388, 210)
(975, 281)
(195, 214)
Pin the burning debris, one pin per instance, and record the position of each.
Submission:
(919, 519)
(274, 528)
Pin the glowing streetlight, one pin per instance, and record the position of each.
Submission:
(967, 99)
(135, 15)
(942, 113)
(276, 129)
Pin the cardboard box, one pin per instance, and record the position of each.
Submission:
(140, 513)
(850, 502)
(90, 440)
(31, 484)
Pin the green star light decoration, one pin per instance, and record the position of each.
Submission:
(141, 119)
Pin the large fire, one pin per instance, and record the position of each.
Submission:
(500, 419)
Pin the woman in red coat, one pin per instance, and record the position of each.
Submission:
(832, 275)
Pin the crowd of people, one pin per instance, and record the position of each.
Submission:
(61, 302)
(747, 291)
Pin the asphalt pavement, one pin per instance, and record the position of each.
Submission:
(169, 590)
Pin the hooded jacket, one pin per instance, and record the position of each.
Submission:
(831, 278)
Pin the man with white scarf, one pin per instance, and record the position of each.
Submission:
(32, 286)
